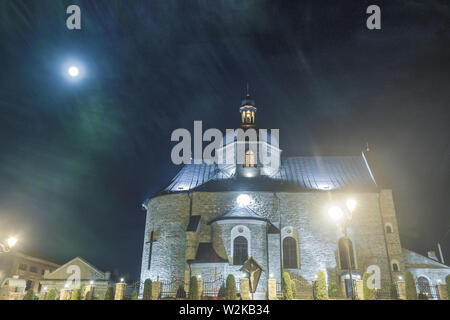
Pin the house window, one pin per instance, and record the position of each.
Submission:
(22, 266)
(249, 159)
(33, 269)
(344, 245)
(290, 253)
(29, 285)
(240, 250)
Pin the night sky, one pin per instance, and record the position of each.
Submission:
(77, 159)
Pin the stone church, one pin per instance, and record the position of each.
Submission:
(211, 219)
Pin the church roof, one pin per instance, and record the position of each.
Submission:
(416, 260)
(296, 174)
(206, 254)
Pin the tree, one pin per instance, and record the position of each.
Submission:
(109, 294)
(369, 294)
(333, 290)
(76, 294)
(193, 289)
(134, 295)
(181, 293)
(320, 286)
(411, 292)
(286, 286)
(447, 282)
(51, 295)
(294, 289)
(230, 288)
(29, 295)
(147, 290)
(222, 292)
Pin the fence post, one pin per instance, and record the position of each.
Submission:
(272, 289)
(156, 290)
(442, 292)
(245, 289)
(120, 291)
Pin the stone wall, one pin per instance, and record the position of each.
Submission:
(306, 213)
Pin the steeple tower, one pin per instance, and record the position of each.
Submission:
(248, 111)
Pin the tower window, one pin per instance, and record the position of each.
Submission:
(394, 266)
(345, 249)
(290, 253)
(249, 159)
(388, 228)
(240, 250)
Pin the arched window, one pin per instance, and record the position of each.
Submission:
(388, 228)
(344, 245)
(249, 159)
(290, 253)
(240, 250)
(424, 285)
(394, 266)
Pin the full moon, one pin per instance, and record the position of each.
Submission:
(73, 71)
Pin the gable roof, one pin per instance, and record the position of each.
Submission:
(239, 213)
(71, 262)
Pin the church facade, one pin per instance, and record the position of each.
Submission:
(211, 219)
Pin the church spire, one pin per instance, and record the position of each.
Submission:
(247, 111)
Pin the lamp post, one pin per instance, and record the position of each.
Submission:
(11, 241)
(343, 220)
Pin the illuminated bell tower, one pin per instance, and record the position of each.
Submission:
(248, 111)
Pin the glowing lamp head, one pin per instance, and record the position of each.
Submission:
(73, 71)
(12, 241)
(351, 204)
(91, 282)
(121, 280)
(335, 213)
(243, 200)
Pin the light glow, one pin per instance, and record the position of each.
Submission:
(73, 71)
(12, 241)
(351, 204)
(243, 200)
(335, 213)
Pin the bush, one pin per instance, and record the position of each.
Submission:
(222, 292)
(447, 282)
(134, 295)
(411, 292)
(394, 291)
(181, 293)
(76, 294)
(320, 286)
(29, 295)
(286, 286)
(193, 289)
(369, 294)
(333, 290)
(109, 294)
(230, 288)
(51, 295)
(147, 295)
(294, 289)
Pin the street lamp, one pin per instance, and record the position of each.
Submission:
(337, 214)
(11, 241)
